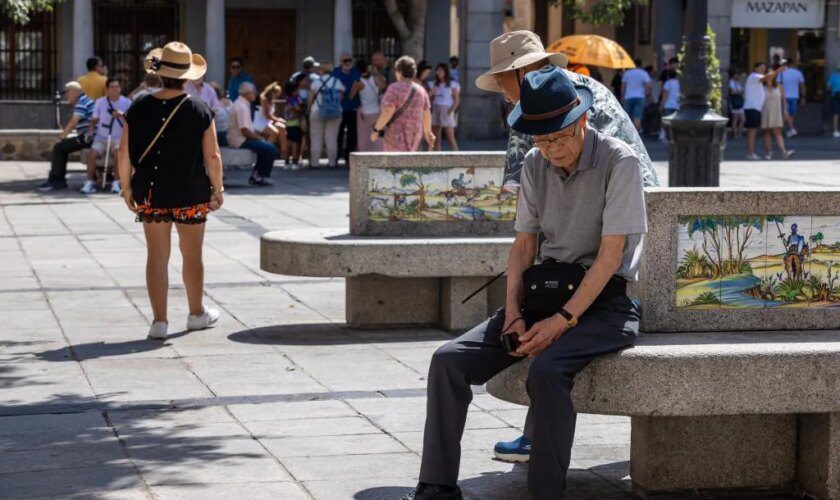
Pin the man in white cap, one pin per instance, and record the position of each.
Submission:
(69, 142)
(583, 189)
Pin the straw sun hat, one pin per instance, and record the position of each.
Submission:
(175, 60)
(514, 50)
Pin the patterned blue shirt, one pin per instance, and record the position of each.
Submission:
(84, 110)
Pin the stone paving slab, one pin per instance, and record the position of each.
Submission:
(280, 400)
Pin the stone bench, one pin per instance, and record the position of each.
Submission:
(396, 281)
(755, 411)
(231, 158)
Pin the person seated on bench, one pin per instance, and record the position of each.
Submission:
(584, 191)
(241, 134)
(512, 56)
(107, 121)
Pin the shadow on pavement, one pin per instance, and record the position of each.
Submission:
(95, 350)
(323, 334)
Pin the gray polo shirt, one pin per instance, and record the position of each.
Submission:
(604, 196)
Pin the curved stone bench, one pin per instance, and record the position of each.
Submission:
(393, 281)
(243, 159)
(757, 410)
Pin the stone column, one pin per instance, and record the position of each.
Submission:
(82, 35)
(214, 46)
(342, 29)
(482, 21)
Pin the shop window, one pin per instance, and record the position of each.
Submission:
(27, 58)
(811, 58)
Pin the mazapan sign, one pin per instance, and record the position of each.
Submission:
(778, 13)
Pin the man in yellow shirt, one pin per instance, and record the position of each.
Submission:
(93, 83)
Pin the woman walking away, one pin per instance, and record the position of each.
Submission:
(445, 94)
(406, 115)
(170, 153)
(271, 127)
(368, 113)
(324, 105)
(773, 118)
(670, 102)
(736, 104)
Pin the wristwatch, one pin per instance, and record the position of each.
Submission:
(214, 190)
(569, 317)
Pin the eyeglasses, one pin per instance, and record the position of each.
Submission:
(348, 60)
(557, 136)
(236, 67)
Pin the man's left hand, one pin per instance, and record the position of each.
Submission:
(542, 335)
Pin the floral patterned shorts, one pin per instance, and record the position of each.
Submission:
(196, 214)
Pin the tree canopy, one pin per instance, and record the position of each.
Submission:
(597, 12)
(21, 10)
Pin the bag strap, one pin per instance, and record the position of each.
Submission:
(162, 128)
(318, 92)
(402, 108)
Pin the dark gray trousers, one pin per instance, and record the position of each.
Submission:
(478, 355)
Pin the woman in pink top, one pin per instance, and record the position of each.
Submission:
(412, 119)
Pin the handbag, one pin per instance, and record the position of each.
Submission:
(550, 284)
(162, 128)
(399, 111)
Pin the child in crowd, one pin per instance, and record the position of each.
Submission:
(294, 112)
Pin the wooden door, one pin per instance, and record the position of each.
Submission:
(265, 39)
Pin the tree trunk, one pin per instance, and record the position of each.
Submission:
(410, 26)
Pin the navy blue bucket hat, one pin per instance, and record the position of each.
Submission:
(549, 102)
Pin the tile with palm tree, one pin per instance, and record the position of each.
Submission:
(698, 272)
(824, 253)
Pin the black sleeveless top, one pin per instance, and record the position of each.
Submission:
(172, 174)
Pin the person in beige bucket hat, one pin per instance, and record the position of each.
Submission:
(517, 53)
(516, 50)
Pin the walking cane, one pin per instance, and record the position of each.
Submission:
(107, 157)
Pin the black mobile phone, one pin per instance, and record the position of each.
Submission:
(510, 341)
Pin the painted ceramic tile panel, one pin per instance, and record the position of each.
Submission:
(415, 194)
(698, 283)
(474, 194)
(824, 253)
(789, 281)
(381, 191)
(743, 248)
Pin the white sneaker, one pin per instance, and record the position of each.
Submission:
(768, 156)
(791, 133)
(753, 157)
(88, 188)
(158, 330)
(205, 320)
(789, 153)
(836, 134)
(115, 187)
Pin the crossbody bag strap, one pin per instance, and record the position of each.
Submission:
(402, 108)
(162, 128)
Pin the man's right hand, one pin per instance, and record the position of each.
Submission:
(514, 325)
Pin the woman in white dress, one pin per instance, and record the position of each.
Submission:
(773, 118)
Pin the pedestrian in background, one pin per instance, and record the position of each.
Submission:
(445, 93)
(670, 98)
(325, 114)
(294, 113)
(736, 103)
(93, 83)
(754, 97)
(349, 76)
(454, 72)
(69, 142)
(150, 84)
(241, 134)
(222, 118)
(271, 127)
(106, 122)
(238, 76)
(834, 90)
(169, 143)
(369, 95)
(406, 116)
(774, 114)
(793, 85)
(635, 92)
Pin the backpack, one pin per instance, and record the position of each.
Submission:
(330, 105)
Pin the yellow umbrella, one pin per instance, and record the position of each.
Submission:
(592, 50)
